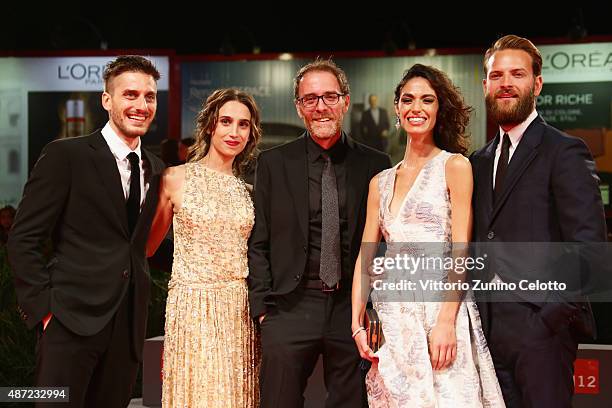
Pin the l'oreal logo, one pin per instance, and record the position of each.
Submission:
(91, 74)
(561, 60)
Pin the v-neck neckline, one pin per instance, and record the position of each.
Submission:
(414, 183)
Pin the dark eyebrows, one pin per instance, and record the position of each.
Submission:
(136, 91)
(408, 94)
(231, 118)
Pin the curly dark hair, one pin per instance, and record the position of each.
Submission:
(453, 114)
(206, 121)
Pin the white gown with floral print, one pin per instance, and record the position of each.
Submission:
(403, 376)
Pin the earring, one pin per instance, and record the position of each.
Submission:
(397, 122)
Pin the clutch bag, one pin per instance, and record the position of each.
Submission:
(374, 330)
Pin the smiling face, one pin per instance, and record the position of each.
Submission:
(131, 102)
(510, 87)
(232, 130)
(417, 107)
(322, 121)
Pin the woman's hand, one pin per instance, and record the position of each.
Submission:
(361, 340)
(442, 345)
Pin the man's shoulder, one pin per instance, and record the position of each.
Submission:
(558, 137)
(69, 143)
(153, 157)
(282, 148)
(478, 153)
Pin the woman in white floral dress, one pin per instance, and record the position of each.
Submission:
(435, 353)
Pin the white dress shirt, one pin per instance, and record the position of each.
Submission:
(120, 151)
(515, 134)
(375, 112)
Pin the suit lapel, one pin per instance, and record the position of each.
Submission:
(106, 166)
(356, 183)
(486, 183)
(296, 171)
(525, 153)
(151, 173)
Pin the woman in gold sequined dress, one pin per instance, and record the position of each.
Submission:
(211, 350)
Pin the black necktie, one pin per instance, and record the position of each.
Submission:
(133, 201)
(329, 268)
(502, 166)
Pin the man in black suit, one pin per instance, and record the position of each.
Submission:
(374, 125)
(533, 184)
(94, 196)
(310, 204)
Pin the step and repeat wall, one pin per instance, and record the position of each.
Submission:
(49, 97)
(271, 83)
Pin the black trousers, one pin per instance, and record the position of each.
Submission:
(305, 324)
(100, 369)
(534, 364)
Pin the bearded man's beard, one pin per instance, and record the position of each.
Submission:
(510, 115)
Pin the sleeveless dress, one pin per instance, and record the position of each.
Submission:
(211, 351)
(403, 376)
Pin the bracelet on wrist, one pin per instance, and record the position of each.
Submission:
(356, 332)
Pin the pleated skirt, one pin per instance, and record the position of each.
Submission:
(211, 348)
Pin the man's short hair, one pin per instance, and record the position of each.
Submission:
(513, 42)
(321, 65)
(128, 63)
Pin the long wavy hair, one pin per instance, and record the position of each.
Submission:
(453, 114)
(206, 122)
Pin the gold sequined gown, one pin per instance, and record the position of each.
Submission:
(211, 350)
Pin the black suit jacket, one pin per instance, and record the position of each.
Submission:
(370, 131)
(74, 195)
(278, 247)
(550, 194)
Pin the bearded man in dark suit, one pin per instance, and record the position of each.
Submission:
(533, 184)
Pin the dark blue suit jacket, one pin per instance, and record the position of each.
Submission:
(550, 194)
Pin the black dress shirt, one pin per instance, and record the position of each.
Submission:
(315, 170)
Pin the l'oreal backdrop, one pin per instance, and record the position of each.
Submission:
(43, 99)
